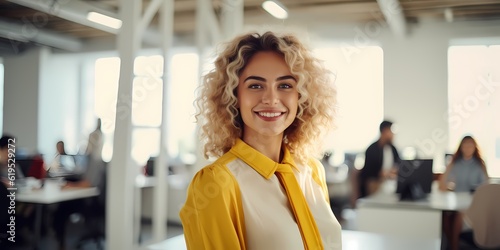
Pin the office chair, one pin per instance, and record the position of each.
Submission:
(95, 217)
(484, 218)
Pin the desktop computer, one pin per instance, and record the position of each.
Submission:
(414, 179)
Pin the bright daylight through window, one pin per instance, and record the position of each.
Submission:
(474, 100)
(360, 104)
(146, 105)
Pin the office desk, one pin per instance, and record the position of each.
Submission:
(40, 198)
(383, 213)
(351, 240)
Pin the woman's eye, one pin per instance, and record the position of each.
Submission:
(254, 86)
(285, 86)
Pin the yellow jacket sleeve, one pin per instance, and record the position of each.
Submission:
(318, 175)
(212, 216)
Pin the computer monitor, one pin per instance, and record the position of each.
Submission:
(67, 163)
(81, 163)
(25, 164)
(415, 173)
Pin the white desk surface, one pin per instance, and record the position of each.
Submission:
(437, 200)
(351, 240)
(42, 197)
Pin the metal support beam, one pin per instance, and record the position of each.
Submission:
(212, 22)
(393, 13)
(150, 12)
(122, 171)
(77, 10)
(232, 17)
(22, 33)
(206, 20)
(160, 190)
(74, 10)
(200, 34)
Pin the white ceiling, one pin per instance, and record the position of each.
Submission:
(62, 24)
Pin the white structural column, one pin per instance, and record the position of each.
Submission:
(200, 31)
(160, 190)
(232, 18)
(121, 171)
(206, 24)
(393, 13)
(207, 31)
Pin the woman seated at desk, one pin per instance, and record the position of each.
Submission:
(466, 170)
(465, 173)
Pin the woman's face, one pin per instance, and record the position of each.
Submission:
(468, 148)
(267, 95)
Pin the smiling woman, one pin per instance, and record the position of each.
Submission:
(263, 110)
(218, 102)
(267, 98)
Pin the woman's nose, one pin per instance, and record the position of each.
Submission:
(270, 96)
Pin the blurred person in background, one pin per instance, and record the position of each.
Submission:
(381, 160)
(464, 173)
(95, 143)
(467, 169)
(17, 172)
(55, 164)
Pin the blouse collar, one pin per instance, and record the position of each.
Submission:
(258, 161)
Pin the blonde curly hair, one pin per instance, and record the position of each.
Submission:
(217, 102)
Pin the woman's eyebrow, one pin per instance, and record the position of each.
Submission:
(262, 79)
(258, 78)
(285, 78)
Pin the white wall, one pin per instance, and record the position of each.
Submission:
(59, 105)
(415, 95)
(415, 73)
(42, 97)
(21, 88)
(416, 83)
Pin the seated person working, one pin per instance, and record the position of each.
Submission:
(465, 173)
(93, 177)
(466, 170)
(7, 166)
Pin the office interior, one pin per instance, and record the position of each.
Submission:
(431, 67)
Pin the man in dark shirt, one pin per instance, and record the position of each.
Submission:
(381, 159)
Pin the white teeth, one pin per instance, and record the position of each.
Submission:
(267, 114)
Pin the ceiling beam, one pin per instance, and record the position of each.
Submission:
(18, 33)
(75, 11)
(416, 4)
(149, 13)
(393, 13)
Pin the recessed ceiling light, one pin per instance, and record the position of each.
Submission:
(104, 20)
(275, 8)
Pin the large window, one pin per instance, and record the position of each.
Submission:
(360, 90)
(474, 100)
(107, 73)
(147, 104)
